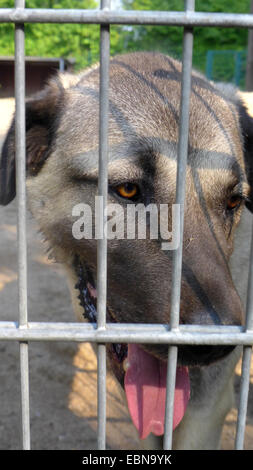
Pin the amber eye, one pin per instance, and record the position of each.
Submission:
(127, 190)
(233, 203)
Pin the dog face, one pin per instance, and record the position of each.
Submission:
(62, 171)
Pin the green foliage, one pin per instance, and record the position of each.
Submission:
(169, 39)
(82, 41)
(59, 40)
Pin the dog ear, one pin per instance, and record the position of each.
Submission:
(246, 123)
(42, 114)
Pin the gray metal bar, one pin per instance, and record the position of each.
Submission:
(190, 19)
(180, 199)
(243, 399)
(246, 362)
(181, 168)
(103, 174)
(221, 330)
(102, 242)
(170, 395)
(249, 307)
(126, 333)
(21, 169)
(21, 223)
(25, 407)
(61, 64)
(101, 386)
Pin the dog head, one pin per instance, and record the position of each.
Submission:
(62, 172)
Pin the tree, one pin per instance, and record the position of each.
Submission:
(82, 41)
(169, 39)
(77, 41)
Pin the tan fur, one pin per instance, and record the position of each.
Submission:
(143, 136)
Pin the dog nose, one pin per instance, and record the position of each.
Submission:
(202, 355)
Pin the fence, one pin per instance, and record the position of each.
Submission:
(131, 333)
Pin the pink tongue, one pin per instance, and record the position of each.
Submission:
(145, 387)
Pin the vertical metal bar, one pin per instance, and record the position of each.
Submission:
(102, 242)
(61, 64)
(249, 307)
(243, 399)
(246, 361)
(170, 394)
(101, 358)
(180, 197)
(182, 165)
(21, 196)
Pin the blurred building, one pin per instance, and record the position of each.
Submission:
(38, 70)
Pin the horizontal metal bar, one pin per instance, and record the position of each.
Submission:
(126, 333)
(175, 18)
(146, 327)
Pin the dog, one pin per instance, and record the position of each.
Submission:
(62, 128)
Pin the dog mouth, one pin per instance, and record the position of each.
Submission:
(142, 375)
(88, 300)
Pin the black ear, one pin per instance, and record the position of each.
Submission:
(246, 123)
(42, 117)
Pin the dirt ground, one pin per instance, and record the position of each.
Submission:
(63, 375)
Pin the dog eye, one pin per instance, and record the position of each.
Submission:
(127, 190)
(233, 203)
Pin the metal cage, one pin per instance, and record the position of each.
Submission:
(173, 334)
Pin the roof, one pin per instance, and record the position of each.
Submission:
(56, 60)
